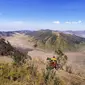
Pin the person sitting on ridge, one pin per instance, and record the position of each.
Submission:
(53, 62)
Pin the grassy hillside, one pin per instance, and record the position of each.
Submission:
(29, 74)
(52, 40)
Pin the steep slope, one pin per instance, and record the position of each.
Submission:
(52, 40)
(6, 49)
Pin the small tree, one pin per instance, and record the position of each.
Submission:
(18, 57)
(62, 58)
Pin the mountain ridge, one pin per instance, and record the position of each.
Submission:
(52, 40)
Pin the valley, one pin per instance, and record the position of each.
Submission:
(25, 43)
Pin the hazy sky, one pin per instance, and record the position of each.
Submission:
(42, 14)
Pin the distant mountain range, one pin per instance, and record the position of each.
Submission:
(78, 33)
(48, 39)
(9, 33)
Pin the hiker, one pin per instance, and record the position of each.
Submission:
(53, 62)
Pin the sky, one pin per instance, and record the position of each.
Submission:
(42, 14)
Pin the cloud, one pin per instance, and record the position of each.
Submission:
(12, 25)
(80, 21)
(68, 22)
(18, 25)
(18, 22)
(74, 22)
(56, 22)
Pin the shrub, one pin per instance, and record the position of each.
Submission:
(27, 74)
(69, 69)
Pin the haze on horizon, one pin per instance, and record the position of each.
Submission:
(42, 14)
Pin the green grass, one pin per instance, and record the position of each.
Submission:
(27, 74)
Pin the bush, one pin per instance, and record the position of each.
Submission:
(69, 69)
(27, 74)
